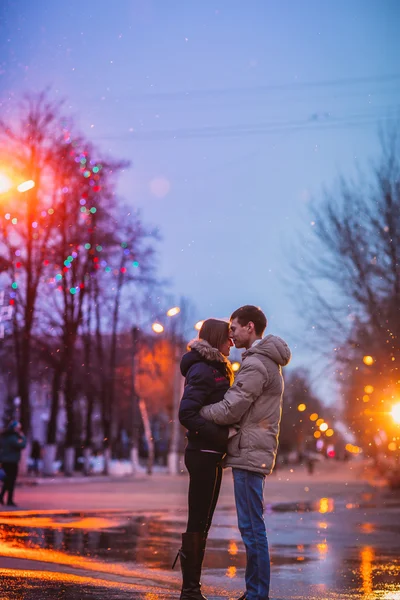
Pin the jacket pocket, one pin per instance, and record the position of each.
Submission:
(234, 445)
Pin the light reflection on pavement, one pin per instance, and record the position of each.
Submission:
(328, 550)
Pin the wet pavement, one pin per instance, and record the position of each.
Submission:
(340, 546)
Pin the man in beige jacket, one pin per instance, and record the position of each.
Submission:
(254, 402)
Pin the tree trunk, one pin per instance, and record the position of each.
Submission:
(173, 455)
(54, 409)
(70, 432)
(69, 461)
(49, 457)
(148, 435)
(87, 455)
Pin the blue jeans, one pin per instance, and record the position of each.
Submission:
(250, 511)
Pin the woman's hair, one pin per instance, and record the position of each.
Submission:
(215, 332)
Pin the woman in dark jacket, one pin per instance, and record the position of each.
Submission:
(12, 441)
(208, 375)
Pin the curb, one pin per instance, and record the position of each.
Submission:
(62, 480)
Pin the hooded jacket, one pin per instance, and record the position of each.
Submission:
(207, 377)
(254, 402)
(11, 444)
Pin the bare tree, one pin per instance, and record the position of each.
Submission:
(349, 279)
(71, 256)
(27, 149)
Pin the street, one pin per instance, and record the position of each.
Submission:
(332, 536)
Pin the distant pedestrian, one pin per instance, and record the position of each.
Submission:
(208, 375)
(36, 455)
(12, 441)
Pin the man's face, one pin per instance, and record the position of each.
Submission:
(226, 347)
(239, 334)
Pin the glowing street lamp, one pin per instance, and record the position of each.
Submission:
(5, 183)
(314, 417)
(324, 426)
(175, 310)
(395, 412)
(157, 328)
(235, 366)
(26, 186)
(301, 407)
(198, 325)
(368, 360)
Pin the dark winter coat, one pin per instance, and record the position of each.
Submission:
(11, 444)
(208, 376)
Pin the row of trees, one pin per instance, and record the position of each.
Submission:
(75, 262)
(303, 413)
(350, 280)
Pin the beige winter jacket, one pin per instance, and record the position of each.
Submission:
(254, 402)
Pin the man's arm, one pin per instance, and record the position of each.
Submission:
(248, 386)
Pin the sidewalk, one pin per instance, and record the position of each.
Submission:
(160, 492)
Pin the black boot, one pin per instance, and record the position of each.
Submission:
(191, 555)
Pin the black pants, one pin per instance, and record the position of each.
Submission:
(205, 472)
(11, 471)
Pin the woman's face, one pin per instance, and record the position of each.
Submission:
(225, 348)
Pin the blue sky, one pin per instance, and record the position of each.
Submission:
(233, 115)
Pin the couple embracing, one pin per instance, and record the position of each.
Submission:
(231, 423)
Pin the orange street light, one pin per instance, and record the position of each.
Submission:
(353, 449)
(157, 328)
(198, 325)
(395, 412)
(301, 407)
(314, 417)
(368, 360)
(5, 183)
(329, 432)
(369, 389)
(26, 186)
(324, 426)
(175, 310)
(235, 366)
(319, 422)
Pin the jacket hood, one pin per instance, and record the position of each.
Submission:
(200, 351)
(274, 347)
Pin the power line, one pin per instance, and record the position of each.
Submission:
(262, 89)
(254, 129)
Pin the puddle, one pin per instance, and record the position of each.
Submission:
(329, 543)
(324, 505)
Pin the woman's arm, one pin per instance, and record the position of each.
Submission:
(199, 385)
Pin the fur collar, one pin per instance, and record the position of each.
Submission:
(212, 354)
(206, 350)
